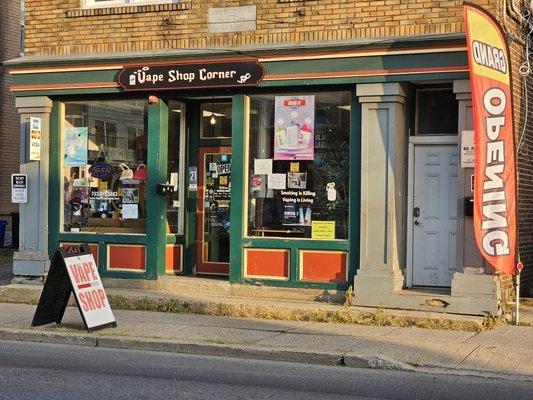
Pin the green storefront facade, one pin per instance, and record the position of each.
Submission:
(272, 239)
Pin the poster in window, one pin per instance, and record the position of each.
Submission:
(35, 139)
(297, 180)
(294, 128)
(75, 147)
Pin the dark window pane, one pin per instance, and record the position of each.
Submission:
(437, 112)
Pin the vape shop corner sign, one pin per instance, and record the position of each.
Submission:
(191, 76)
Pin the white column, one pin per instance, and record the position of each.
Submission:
(32, 258)
(383, 197)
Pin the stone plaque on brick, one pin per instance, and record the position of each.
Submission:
(231, 19)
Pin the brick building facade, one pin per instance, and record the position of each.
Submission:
(385, 66)
(10, 47)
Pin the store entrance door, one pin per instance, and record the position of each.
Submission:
(213, 210)
(434, 215)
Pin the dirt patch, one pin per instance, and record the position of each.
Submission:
(343, 315)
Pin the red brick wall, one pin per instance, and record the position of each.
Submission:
(9, 119)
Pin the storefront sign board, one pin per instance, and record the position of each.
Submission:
(75, 147)
(294, 128)
(19, 188)
(73, 270)
(219, 74)
(35, 139)
(467, 149)
(323, 230)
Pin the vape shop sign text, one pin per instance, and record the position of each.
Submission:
(189, 76)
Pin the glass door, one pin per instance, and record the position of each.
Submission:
(213, 210)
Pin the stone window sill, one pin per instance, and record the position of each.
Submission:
(91, 12)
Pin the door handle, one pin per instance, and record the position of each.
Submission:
(416, 212)
(417, 222)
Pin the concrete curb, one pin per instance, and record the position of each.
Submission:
(135, 343)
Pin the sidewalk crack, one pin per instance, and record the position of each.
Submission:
(466, 356)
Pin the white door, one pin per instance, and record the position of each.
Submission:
(434, 215)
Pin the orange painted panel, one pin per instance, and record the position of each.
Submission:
(126, 257)
(323, 266)
(173, 258)
(267, 263)
(92, 246)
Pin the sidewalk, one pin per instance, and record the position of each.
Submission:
(504, 352)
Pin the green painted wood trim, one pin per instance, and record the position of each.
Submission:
(303, 244)
(54, 176)
(175, 239)
(191, 141)
(355, 187)
(107, 238)
(53, 78)
(239, 140)
(123, 274)
(303, 83)
(367, 63)
(294, 264)
(447, 76)
(296, 284)
(61, 92)
(156, 204)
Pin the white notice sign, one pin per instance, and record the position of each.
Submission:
(89, 290)
(35, 139)
(467, 149)
(277, 181)
(262, 166)
(19, 188)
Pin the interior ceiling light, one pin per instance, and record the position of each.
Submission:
(213, 120)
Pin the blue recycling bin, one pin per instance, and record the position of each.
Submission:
(3, 225)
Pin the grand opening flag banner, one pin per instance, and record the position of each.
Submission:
(494, 166)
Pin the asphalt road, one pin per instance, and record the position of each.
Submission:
(47, 371)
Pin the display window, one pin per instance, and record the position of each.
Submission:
(216, 119)
(104, 166)
(299, 165)
(176, 167)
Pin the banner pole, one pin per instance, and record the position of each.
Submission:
(517, 312)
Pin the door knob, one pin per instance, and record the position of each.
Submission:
(417, 222)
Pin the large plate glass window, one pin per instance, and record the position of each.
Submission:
(299, 165)
(103, 162)
(176, 167)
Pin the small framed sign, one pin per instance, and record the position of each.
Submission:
(73, 270)
(19, 188)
